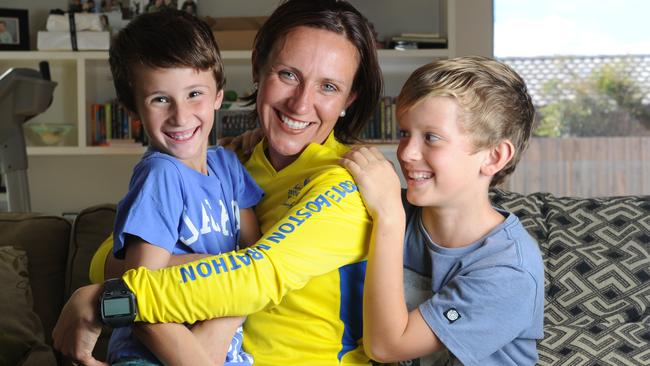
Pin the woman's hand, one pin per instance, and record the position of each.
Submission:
(376, 178)
(78, 327)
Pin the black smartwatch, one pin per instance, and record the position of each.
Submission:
(117, 304)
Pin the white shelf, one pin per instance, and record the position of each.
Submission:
(84, 78)
(86, 150)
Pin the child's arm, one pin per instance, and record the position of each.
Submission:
(390, 332)
(171, 343)
(250, 228)
(214, 335)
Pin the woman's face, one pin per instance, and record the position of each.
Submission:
(304, 86)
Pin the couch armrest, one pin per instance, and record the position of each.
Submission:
(91, 227)
(45, 239)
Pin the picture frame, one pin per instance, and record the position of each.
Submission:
(14, 30)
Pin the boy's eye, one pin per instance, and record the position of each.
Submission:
(159, 100)
(431, 137)
(195, 94)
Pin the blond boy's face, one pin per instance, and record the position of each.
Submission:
(176, 107)
(438, 160)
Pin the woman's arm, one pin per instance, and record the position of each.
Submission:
(390, 332)
(297, 248)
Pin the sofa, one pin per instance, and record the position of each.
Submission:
(43, 259)
(597, 279)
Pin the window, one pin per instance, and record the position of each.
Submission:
(587, 66)
(586, 63)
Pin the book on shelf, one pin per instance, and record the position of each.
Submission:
(382, 126)
(232, 119)
(110, 125)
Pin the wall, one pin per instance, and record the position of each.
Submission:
(70, 183)
(390, 17)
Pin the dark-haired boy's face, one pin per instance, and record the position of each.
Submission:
(176, 107)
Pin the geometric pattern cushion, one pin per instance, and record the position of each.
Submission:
(596, 254)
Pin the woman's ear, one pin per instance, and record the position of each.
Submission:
(497, 158)
(351, 98)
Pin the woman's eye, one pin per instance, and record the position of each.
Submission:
(330, 88)
(403, 133)
(288, 75)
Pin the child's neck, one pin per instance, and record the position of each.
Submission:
(456, 227)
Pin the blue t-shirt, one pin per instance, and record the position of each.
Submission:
(485, 301)
(183, 211)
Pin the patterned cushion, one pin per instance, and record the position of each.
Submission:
(597, 280)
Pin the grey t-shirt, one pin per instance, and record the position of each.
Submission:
(485, 301)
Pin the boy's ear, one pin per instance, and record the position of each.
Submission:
(218, 99)
(497, 158)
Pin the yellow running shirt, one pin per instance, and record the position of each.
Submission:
(301, 283)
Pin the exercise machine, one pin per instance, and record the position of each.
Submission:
(24, 93)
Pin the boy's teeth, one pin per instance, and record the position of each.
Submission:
(181, 136)
(420, 176)
(293, 124)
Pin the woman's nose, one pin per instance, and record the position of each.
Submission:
(301, 100)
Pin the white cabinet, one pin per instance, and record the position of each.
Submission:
(84, 78)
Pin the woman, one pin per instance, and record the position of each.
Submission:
(318, 81)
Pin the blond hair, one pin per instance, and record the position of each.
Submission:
(493, 97)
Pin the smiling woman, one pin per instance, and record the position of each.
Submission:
(319, 80)
(305, 89)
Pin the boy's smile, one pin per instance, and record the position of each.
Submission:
(437, 157)
(176, 107)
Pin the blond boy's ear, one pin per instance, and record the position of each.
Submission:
(497, 158)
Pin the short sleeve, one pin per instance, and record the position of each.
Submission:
(479, 312)
(247, 192)
(153, 207)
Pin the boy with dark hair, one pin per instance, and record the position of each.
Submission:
(185, 200)
(473, 273)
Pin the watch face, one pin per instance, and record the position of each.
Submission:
(117, 306)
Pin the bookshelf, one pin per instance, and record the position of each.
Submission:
(84, 79)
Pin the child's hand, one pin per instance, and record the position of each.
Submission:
(215, 335)
(376, 178)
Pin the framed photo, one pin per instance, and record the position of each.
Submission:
(14, 30)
